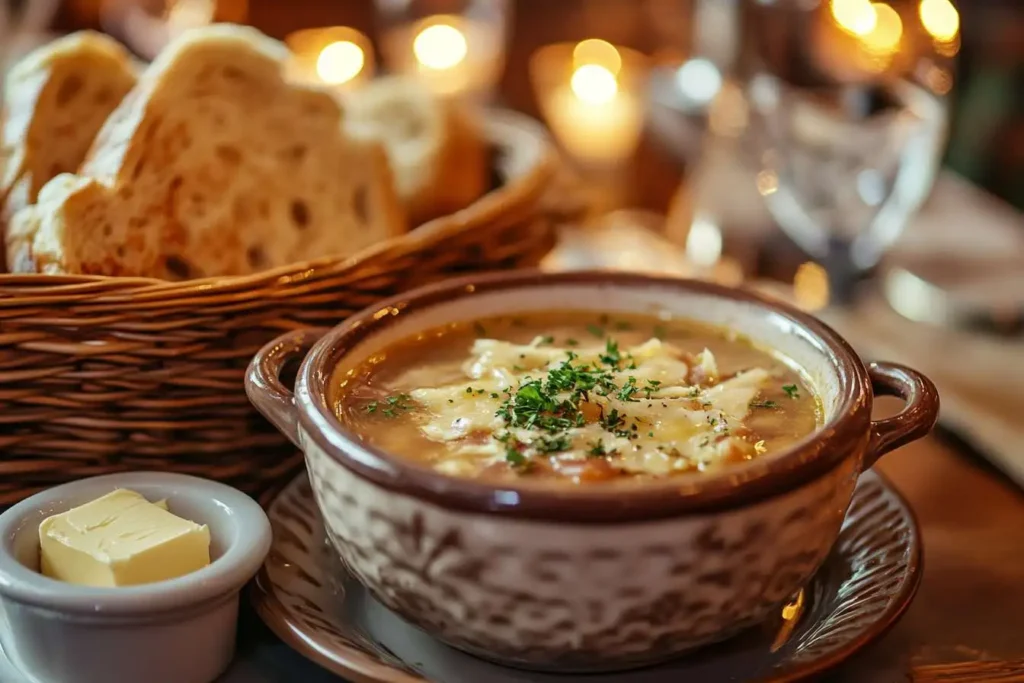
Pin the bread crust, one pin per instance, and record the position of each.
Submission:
(56, 99)
(214, 165)
(434, 147)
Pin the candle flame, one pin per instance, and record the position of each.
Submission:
(594, 84)
(440, 46)
(857, 17)
(599, 52)
(884, 38)
(340, 62)
(940, 19)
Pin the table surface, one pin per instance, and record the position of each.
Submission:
(970, 605)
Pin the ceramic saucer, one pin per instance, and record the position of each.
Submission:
(869, 579)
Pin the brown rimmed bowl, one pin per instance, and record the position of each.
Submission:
(587, 579)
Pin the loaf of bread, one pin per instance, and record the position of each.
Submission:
(56, 98)
(438, 156)
(214, 165)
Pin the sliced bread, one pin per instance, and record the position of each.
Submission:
(214, 165)
(436, 152)
(56, 98)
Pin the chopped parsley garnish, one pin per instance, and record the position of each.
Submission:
(596, 331)
(628, 390)
(564, 399)
(623, 326)
(469, 390)
(660, 332)
(764, 404)
(479, 329)
(514, 458)
(792, 390)
(571, 342)
(514, 455)
(546, 339)
(612, 420)
(611, 355)
(652, 386)
(555, 444)
(392, 405)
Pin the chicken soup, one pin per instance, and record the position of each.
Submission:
(576, 398)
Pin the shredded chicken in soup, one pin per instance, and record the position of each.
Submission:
(574, 398)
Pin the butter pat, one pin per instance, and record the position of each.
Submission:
(121, 539)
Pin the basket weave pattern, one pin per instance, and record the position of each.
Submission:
(99, 375)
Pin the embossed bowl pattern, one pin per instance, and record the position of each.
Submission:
(862, 588)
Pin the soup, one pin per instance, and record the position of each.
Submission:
(576, 397)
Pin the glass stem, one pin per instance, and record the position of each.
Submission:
(844, 277)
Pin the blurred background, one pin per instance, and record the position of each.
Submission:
(835, 146)
(986, 143)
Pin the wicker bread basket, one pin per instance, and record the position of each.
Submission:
(102, 374)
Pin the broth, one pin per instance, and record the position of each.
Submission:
(574, 397)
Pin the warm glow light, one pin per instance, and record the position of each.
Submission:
(440, 46)
(340, 62)
(189, 13)
(594, 84)
(854, 16)
(940, 19)
(767, 183)
(599, 52)
(810, 287)
(885, 37)
(939, 80)
(704, 242)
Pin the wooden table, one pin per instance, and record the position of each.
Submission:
(970, 605)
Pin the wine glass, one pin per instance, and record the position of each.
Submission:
(848, 125)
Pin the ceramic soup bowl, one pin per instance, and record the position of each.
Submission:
(587, 579)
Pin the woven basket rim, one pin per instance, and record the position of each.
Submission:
(517, 133)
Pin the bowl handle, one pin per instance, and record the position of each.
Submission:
(917, 417)
(263, 379)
